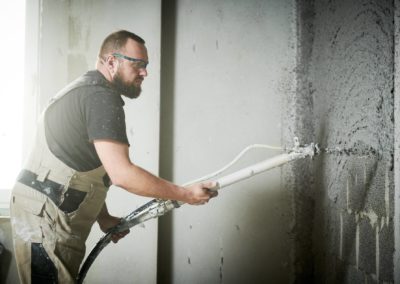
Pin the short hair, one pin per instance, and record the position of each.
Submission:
(116, 41)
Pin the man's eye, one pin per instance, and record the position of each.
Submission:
(139, 65)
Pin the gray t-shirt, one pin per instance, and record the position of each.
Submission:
(86, 113)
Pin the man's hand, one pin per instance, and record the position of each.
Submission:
(109, 222)
(200, 193)
(106, 222)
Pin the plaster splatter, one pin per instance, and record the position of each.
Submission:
(350, 77)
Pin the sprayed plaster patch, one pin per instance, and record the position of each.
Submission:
(350, 77)
(371, 216)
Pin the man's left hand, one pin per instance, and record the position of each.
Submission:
(107, 222)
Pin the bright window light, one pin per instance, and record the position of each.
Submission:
(12, 49)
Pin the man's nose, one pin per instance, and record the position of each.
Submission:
(143, 72)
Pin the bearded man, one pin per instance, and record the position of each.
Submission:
(81, 148)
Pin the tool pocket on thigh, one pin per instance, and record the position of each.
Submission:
(28, 204)
(72, 200)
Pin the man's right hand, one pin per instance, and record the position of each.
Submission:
(200, 193)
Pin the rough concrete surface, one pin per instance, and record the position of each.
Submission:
(297, 177)
(350, 76)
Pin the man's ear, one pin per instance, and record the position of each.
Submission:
(112, 64)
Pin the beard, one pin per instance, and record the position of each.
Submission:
(128, 90)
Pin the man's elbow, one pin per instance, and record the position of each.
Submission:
(120, 181)
(129, 186)
(118, 174)
(125, 178)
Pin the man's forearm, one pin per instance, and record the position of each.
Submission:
(123, 173)
(139, 181)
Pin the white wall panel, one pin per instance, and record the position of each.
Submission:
(234, 61)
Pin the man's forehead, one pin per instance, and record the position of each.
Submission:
(134, 48)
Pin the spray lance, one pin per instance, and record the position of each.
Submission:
(158, 207)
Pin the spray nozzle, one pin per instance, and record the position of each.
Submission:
(311, 149)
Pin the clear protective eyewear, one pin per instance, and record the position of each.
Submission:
(140, 63)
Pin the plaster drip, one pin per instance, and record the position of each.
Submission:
(348, 196)
(371, 216)
(387, 197)
(357, 241)
(341, 237)
(365, 176)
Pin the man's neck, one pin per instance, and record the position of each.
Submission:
(103, 70)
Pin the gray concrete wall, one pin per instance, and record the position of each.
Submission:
(227, 66)
(351, 82)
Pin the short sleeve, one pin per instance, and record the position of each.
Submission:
(105, 117)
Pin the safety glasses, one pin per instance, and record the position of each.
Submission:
(140, 63)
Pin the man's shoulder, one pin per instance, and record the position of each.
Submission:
(93, 83)
(93, 78)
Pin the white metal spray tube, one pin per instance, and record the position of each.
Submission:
(257, 168)
(161, 207)
(250, 171)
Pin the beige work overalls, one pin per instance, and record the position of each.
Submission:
(52, 210)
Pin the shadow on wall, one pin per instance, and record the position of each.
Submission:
(5, 263)
(167, 87)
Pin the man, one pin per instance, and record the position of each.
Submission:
(81, 147)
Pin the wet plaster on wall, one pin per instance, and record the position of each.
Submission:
(297, 121)
(351, 82)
